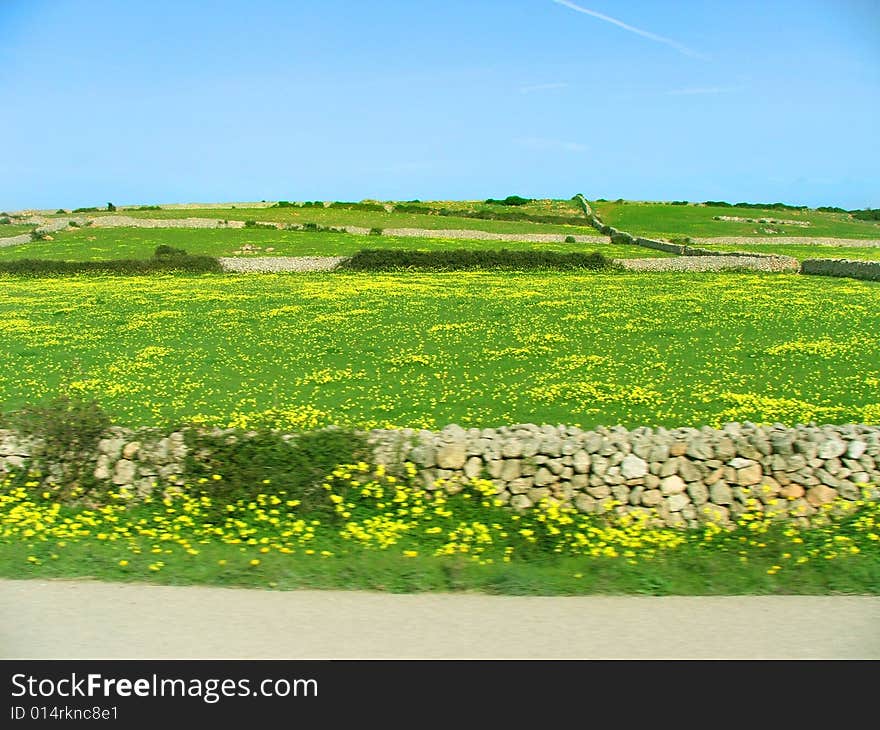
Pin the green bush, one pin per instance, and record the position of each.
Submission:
(123, 267)
(866, 215)
(463, 259)
(150, 207)
(39, 235)
(679, 202)
(166, 251)
(374, 207)
(67, 430)
(73, 224)
(111, 207)
(570, 239)
(284, 204)
(509, 200)
(255, 224)
(85, 210)
(375, 231)
(61, 211)
(5, 220)
(246, 460)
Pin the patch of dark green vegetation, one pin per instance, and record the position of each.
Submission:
(465, 259)
(166, 259)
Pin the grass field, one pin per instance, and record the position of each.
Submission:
(8, 230)
(424, 350)
(804, 251)
(664, 220)
(336, 217)
(94, 244)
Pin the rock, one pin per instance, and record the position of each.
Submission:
(720, 493)
(831, 449)
(748, 475)
(698, 493)
(678, 448)
(512, 448)
(520, 502)
(856, 449)
(688, 470)
(633, 467)
(600, 492)
(713, 513)
(585, 503)
(521, 485)
(473, 466)
(672, 485)
(700, 449)
(124, 472)
(677, 502)
(451, 455)
(581, 461)
(510, 469)
(652, 497)
(130, 450)
(536, 494)
(544, 477)
(821, 494)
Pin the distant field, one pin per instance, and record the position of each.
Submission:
(805, 251)
(664, 220)
(364, 219)
(14, 229)
(87, 244)
(424, 350)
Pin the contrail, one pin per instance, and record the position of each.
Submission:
(638, 31)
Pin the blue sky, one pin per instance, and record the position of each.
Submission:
(176, 101)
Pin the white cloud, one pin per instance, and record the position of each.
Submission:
(632, 29)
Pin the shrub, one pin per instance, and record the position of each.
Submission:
(717, 204)
(73, 224)
(246, 460)
(464, 259)
(150, 207)
(37, 235)
(255, 224)
(866, 215)
(123, 267)
(166, 251)
(111, 207)
(375, 231)
(570, 239)
(509, 200)
(830, 209)
(283, 204)
(679, 202)
(67, 430)
(5, 220)
(85, 210)
(61, 211)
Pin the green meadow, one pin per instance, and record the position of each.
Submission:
(95, 244)
(668, 221)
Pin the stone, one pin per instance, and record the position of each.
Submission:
(652, 497)
(536, 494)
(581, 461)
(672, 485)
(543, 477)
(472, 467)
(698, 492)
(688, 470)
(856, 449)
(700, 449)
(600, 492)
(713, 513)
(512, 448)
(521, 485)
(520, 502)
(510, 469)
(130, 450)
(124, 472)
(668, 468)
(821, 494)
(749, 475)
(451, 456)
(633, 467)
(720, 493)
(677, 502)
(832, 448)
(585, 503)
(678, 448)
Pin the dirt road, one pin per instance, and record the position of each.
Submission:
(93, 620)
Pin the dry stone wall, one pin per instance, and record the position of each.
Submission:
(682, 477)
(679, 478)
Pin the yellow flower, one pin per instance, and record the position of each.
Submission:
(123, 563)
(255, 562)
